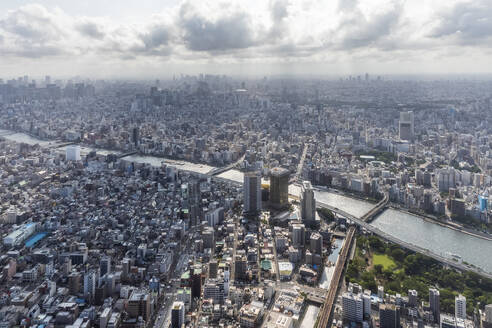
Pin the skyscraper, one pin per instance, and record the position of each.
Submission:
(308, 203)
(434, 302)
(252, 192)
(460, 306)
(135, 136)
(406, 125)
(279, 187)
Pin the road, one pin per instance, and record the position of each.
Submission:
(234, 247)
(298, 174)
(163, 316)
(277, 273)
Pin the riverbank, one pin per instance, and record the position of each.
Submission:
(347, 194)
(435, 220)
(427, 218)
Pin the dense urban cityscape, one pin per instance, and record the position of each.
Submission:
(210, 201)
(245, 164)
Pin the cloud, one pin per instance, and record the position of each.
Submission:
(357, 29)
(253, 31)
(32, 22)
(467, 22)
(226, 32)
(156, 36)
(91, 29)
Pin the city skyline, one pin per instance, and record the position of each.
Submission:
(154, 39)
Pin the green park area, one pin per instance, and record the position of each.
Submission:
(377, 263)
(384, 260)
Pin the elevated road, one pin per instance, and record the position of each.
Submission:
(325, 313)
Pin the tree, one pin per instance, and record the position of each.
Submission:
(398, 254)
(378, 268)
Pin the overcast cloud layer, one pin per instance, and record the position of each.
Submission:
(259, 37)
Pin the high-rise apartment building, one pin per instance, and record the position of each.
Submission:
(353, 307)
(435, 305)
(252, 192)
(460, 306)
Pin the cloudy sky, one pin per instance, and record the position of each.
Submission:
(158, 38)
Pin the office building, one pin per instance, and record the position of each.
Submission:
(353, 307)
(196, 281)
(460, 306)
(308, 203)
(316, 243)
(252, 192)
(483, 203)
(135, 136)
(213, 267)
(298, 235)
(105, 266)
(434, 303)
(389, 316)
(406, 125)
(208, 236)
(72, 153)
(139, 305)
(214, 289)
(240, 267)
(177, 315)
(279, 187)
(215, 216)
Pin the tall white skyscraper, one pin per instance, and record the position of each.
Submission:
(460, 306)
(252, 192)
(308, 203)
(407, 125)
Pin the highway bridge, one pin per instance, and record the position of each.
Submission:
(369, 216)
(219, 170)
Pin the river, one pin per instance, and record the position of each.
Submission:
(152, 160)
(437, 239)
